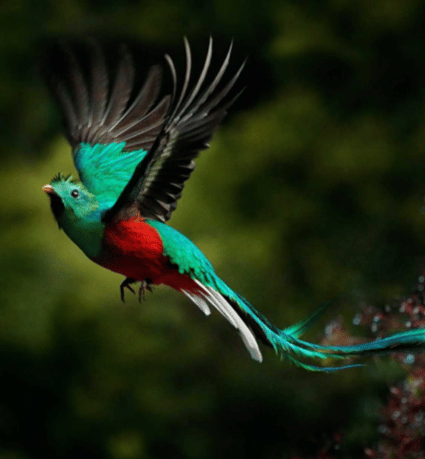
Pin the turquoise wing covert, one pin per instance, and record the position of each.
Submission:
(106, 169)
(109, 124)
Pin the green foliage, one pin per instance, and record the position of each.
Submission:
(312, 190)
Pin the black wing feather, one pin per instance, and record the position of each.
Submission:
(158, 180)
(95, 107)
(99, 89)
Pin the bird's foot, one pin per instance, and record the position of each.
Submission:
(126, 284)
(144, 285)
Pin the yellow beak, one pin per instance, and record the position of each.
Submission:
(48, 189)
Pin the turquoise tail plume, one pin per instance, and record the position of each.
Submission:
(209, 290)
(253, 326)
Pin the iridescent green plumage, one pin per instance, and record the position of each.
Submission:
(133, 155)
(106, 169)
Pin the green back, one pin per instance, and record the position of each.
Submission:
(184, 253)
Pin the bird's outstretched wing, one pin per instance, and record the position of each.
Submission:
(158, 180)
(108, 134)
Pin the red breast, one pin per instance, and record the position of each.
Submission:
(134, 248)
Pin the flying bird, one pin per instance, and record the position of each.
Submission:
(134, 150)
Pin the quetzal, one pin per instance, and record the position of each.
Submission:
(133, 154)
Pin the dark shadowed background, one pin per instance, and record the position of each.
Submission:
(312, 190)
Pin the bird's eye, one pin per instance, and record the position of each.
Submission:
(75, 193)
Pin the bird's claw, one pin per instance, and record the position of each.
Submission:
(144, 285)
(126, 284)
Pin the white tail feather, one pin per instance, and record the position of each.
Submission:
(202, 305)
(226, 310)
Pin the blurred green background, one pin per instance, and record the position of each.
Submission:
(312, 189)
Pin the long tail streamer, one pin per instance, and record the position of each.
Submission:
(253, 326)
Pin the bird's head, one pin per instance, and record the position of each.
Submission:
(69, 199)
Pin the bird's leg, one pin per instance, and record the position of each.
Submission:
(126, 284)
(144, 285)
